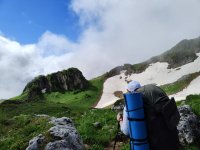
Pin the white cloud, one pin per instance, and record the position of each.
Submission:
(116, 32)
(52, 44)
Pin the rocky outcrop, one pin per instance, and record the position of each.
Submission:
(136, 68)
(64, 136)
(67, 80)
(67, 135)
(35, 143)
(189, 126)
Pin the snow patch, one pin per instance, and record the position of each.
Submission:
(156, 73)
(193, 88)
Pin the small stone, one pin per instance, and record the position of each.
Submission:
(97, 125)
(42, 115)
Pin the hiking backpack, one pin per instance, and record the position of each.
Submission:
(162, 117)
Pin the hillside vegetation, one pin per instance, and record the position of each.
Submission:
(19, 123)
(51, 95)
(180, 84)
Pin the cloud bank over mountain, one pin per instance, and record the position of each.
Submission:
(115, 32)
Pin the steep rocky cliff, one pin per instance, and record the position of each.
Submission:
(66, 80)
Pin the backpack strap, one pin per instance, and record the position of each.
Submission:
(139, 140)
(136, 119)
(134, 109)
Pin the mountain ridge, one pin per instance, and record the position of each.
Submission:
(182, 53)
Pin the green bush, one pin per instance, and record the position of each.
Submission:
(194, 102)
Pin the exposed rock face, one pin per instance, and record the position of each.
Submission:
(58, 145)
(68, 136)
(67, 80)
(137, 68)
(189, 126)
(35, 142)
(64, 136)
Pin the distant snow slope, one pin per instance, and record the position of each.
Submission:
(156, 73)
(193, 88)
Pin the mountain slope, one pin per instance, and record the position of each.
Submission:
(167, 68)
(182, 53)
(19, 124)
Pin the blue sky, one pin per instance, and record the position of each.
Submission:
(26, 20)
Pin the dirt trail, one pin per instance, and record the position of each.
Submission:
(118, 146)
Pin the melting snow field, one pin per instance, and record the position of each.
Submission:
(156, 73)
(193, 88)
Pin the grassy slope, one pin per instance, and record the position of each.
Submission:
(180, 84)
(18, 123)
(78, 99)
(182, 53)
(16, 132)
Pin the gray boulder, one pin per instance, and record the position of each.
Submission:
(35, 142)
(63, 145)
(61, 121)
(65, 135)
(189, 126)
(59, 145)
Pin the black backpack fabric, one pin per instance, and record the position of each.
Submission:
(162, 118)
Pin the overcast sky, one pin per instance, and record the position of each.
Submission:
(98, 35)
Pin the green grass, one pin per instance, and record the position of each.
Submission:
(20, 97)
(9, 110)
(194, 102)
(101, 135)
(18, 124)
(79, 99)
(182, 53)
(15, 133)
(1, 101)
(138, 68)
(179, 85)
(190, 147)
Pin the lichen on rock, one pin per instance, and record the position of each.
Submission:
(188, 127)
